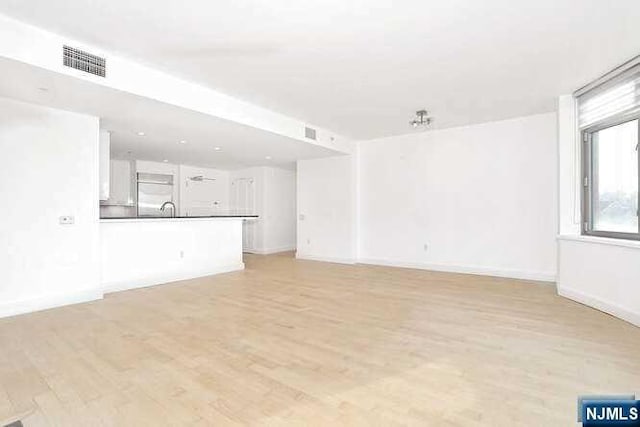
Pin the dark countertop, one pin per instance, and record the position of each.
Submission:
(179, 217)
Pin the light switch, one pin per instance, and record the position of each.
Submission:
(66, 220)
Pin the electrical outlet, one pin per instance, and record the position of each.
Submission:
(308, 241)
(181, 254)
(425, 247)
(66, 220)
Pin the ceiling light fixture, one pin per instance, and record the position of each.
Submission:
(166, 161)
(183, 141)
(217, 148)
(268, 157)
(421, 120)
(141, 133)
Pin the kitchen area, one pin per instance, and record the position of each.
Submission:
(162, 221)
(134, 188)
(146, 189)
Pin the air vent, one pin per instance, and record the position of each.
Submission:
(309, 133)
(83, 61)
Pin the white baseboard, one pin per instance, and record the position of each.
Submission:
(600, 304)
(143, 282)
(475, 270)
(44, 302)
(325, 259)
(48, 301)
(270, 251)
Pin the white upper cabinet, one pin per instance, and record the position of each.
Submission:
(122, 184)
(103, 164)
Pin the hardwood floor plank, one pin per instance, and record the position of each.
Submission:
(289, 342)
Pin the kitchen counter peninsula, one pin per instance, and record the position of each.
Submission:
(162, 218)
(145, 251)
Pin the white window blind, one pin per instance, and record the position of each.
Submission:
(614, 96)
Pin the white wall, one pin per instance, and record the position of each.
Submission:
(50, 170)
(327, 209)
(145, 166)
(279, 210)
(479, 199)
(602, 273)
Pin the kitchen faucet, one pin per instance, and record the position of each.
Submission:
(173, 211)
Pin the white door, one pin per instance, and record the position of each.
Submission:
(243, 198)
(202, 198)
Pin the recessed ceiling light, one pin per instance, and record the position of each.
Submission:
(141, 133)
(217, 148)
(183, 141)
(268, 157)
(166, 161)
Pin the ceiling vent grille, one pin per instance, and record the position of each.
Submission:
(309, 133)
(84, 61)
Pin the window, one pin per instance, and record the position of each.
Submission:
(611, 182)
(609, 121)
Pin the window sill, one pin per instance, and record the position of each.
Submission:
(635, 244)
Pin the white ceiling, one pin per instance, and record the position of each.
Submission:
(362, 67)
(164, 125)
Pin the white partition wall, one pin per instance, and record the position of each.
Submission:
(144, 252)
(327, 209)
(50, 170)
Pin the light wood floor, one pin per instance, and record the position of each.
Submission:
(306, 343)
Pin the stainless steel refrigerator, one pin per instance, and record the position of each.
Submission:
(154, 190)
